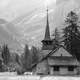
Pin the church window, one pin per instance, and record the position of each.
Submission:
(56, 68)
(70, 68)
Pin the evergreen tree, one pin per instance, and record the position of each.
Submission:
(35, 56)
(71, 33)
(57, 36)
(17, 59)
(56, 40)
(5, 54)
(27, 59)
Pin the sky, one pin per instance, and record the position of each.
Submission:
(12, 8)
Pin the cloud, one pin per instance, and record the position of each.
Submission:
(10, 9)
(4, 3)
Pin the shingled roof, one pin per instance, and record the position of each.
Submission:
(59, 51)
(43, 58)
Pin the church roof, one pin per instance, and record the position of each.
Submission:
(45, 52)
(63, 61)
(61, 57)
(61, 52)
(44, 57)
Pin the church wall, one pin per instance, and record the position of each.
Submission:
(62, 71)
(51, 70)
(42, 67)
(72, 72)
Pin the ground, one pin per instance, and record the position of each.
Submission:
(12, 76)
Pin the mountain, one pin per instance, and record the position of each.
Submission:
(32, 25)
(7, 33)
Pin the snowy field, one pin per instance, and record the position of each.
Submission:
(37, 78)
(13, 76)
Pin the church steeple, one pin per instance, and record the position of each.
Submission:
(47, 42)
(47, 32)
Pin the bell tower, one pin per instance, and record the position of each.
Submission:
(47, 42)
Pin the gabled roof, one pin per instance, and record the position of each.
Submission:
(45, 57)
(45, 52)
(62, 52)
(66, 61)
(56, 53)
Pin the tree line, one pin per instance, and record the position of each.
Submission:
(13, 62)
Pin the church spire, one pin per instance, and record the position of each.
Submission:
(47, 32)
(47, 42)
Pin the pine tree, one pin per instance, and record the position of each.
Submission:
(55, 33)
(5, 54)
(17, 59)
(71, 33)
(27, 59)
(35, 56)
(57, 36)
(56, 40)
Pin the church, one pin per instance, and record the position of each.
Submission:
(55, 61)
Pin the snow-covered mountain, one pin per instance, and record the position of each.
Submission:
(29, 28)
(32, 25)
(8, 32)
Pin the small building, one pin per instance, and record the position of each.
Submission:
(58, 62)
(55, 61)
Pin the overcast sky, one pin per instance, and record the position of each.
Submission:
(12, 8)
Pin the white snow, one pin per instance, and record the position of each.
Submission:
(14, 76)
